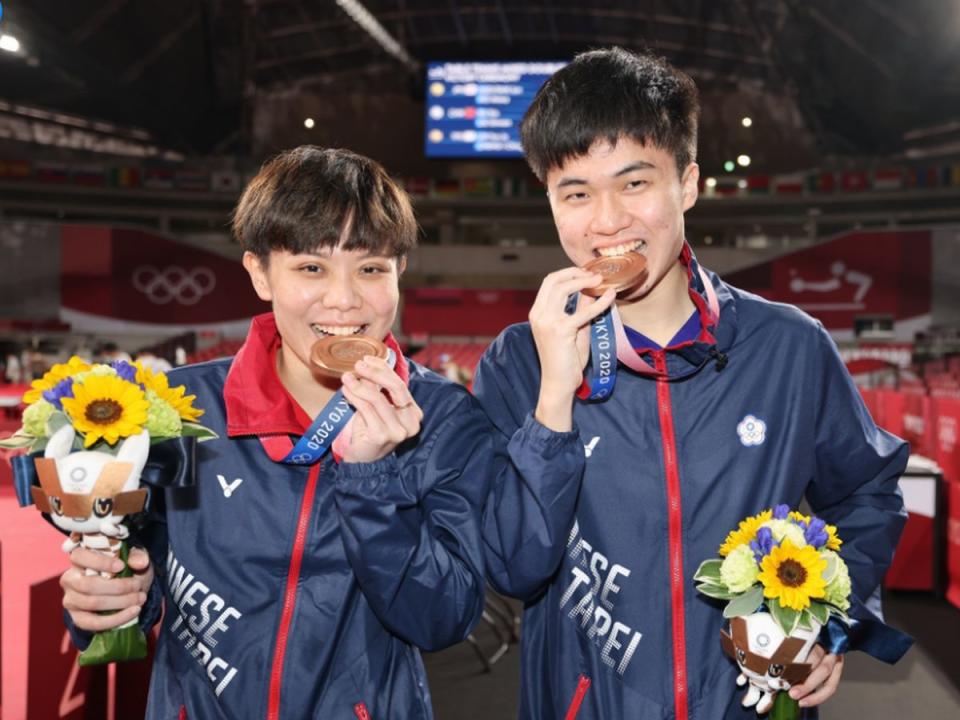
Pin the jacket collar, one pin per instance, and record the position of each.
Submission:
(256, 401)
(717, 332)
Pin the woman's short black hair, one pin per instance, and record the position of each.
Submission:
(306, 198)
(609, 94)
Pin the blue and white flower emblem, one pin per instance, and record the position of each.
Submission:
(752, 431)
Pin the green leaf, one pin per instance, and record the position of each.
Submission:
(56, 421)
(805, 620)
(746, 604)
(716, 591)
(831, 569)
(786, 618)
(198, 431)
(39, 444)
(709, 570)
(834, 610)
(819, 612)
(17, 441)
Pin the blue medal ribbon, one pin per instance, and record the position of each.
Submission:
(602, 375)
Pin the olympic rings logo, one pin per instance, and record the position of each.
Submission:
(301, 459)
(187, 287)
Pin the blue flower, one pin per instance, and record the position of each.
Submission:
(816, 533)
(780, 512)
(763, 544)
(125, 370)
(62, 389)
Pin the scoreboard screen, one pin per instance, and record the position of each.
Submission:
(474, 109)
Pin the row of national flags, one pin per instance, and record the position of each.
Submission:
(155, 177)
(835, 181)
(196, 178)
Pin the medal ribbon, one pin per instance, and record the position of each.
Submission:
(608, 339)
(324, 431)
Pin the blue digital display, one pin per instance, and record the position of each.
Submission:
(474, 109)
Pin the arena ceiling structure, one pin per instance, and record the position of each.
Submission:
(827, 79)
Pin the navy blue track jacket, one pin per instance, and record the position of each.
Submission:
(600, 530)
(296, 592)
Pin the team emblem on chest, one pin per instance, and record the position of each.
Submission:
(752, 431)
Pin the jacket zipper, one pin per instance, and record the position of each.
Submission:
(360, 710)
(675, 517)
(583, 684)
(290, 593)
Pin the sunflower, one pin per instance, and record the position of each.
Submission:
(792, 574)
(157, 381)
(53, 377)
(833, 540)
(108, 407)
(745, 533)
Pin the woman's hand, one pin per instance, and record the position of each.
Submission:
(86, 595)
(386, 413)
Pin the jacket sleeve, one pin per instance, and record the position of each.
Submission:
(411, 529)
(855, 488)
(532, 503)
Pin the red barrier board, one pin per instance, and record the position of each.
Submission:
(873, 406)
(916, 424)
(56, 686)
(917, 561)
(890, 410)
(953, 544)
(40, 677)
(946, 423)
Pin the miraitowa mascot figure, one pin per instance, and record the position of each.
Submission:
(93, 433)
(768, 660)
(88, 494)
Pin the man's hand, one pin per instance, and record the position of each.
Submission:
(85, 596)
(563, 341)
(823, 679)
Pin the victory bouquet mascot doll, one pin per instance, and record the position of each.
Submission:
(91, 431)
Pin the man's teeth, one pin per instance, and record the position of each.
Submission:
(338, 329)
(622, 249)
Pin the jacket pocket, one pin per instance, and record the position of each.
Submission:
(360, 710)
(583, 684)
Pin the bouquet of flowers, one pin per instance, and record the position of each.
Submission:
(94, 425)
(783, 578)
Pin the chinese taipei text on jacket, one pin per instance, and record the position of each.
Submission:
(600, 530)
(304, 592)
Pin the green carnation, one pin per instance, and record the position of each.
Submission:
(163, 421)
(97, 370)
(739, 569)
(838, 589)
(35, 418)
(786, 529)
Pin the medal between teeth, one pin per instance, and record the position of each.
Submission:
(620, 272)
(336, 354)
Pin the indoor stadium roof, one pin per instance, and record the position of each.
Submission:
(860, 77)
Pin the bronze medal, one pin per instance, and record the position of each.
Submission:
(621, 272)
(336, 354)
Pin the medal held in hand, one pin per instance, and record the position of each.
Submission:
(94, 425)
(620, 272)
(335, 355)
